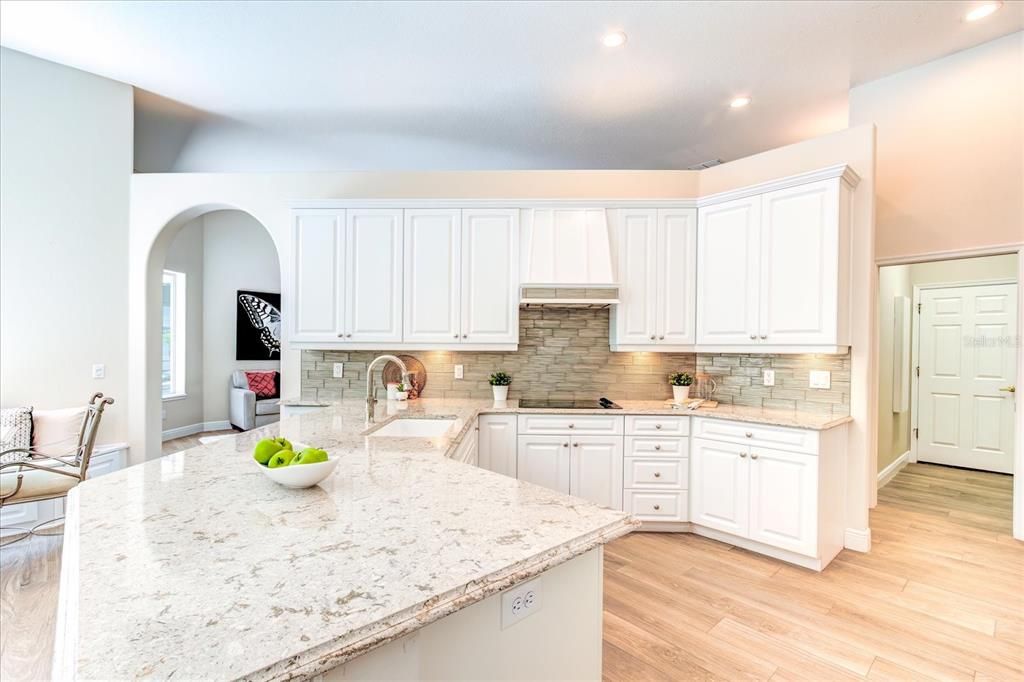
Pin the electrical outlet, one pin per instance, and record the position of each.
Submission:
(820, 378)
(519, 602)
(338, 370)
(458, 371)
(768, 377)
(99, 371)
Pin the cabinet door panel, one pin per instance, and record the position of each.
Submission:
(635, 315)
(544, 460)
(800, 265)
(596, 470)
(318, 269)
(490, 281)
(373, 244)
(728, 275)
(677, 276)
(497, 443)
(433, 270)
(719, 486)
(784, 500)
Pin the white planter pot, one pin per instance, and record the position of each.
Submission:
(500, 393)
(680, 394)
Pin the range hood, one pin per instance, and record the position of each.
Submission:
(566, 258)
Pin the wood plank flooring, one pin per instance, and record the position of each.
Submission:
(940, 596)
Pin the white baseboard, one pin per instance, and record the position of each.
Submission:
(857, 539)
(889, 472)
(192, 429)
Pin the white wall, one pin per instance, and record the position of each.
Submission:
(65, 164)
(950, 150)
(238, 253)
(186, 255)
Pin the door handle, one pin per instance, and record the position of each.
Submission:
(1009, 389)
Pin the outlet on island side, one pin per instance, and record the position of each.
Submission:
(519, 602)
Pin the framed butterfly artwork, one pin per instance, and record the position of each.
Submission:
(257, 326)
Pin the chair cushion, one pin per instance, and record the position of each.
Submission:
(15, 431)
(262, 384)
(268, 406)
(36, 484)
(57, 428)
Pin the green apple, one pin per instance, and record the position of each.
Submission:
(282, 458)
(310, 456)
(268, 447)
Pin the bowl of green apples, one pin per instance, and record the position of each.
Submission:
(293, 466)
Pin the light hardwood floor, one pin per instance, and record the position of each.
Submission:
(941, 595)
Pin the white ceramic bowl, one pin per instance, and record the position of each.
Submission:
(300, 475)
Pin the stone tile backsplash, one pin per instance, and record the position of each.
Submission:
(564, 354)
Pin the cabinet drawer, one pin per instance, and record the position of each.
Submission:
(657, 447)
(656, 505)
(569, 424)
(656, 472)
(657, 425)
(793, 440)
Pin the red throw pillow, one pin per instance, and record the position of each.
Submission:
(262, 384)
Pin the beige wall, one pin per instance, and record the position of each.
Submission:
(894, 429)
(950, 150)
(65, 163)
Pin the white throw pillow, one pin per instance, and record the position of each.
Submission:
(56, 431)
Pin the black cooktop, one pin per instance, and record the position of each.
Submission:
(546, 404)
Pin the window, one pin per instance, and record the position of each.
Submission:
(172, 329)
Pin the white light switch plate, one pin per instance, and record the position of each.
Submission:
(768, 378)
(339, 370)
(458, 371)
(820, 378)
(99, 371)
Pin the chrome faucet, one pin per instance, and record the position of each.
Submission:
(371, 400)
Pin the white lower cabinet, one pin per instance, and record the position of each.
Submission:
(784, 500)
(544, 460)
(719, 487)
(595, 469)
(497, 443)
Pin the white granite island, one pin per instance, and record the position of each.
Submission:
(196, 566)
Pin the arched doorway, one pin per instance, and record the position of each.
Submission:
(238, 250)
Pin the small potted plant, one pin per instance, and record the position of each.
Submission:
(680, 382)
(499, 384)
(402, 393)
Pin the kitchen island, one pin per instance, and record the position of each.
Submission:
(195, 565)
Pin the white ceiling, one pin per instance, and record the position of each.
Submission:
(441, 85)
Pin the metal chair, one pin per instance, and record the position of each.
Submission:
(44, 476)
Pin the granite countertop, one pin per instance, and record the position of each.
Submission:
(196, 565)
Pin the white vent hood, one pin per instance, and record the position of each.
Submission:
(567, 258)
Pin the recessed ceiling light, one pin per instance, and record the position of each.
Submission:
(739, 102)
(982, 11)
(614, 39)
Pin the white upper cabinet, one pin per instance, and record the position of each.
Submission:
(490, 282)
(657, 279)
(373, 269)
(318, 257)
(433, 275)
(800, 265)
(728, 238)
(773, 270)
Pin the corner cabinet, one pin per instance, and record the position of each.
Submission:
(774, 270)
(657, 280)
(432, 278)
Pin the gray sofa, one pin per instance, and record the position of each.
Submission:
(246, 412)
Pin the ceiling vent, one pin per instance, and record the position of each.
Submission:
(705, 164)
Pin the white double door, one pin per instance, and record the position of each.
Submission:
(968, 348)
(585, 466)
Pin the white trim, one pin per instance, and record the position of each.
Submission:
(857, 539)
(889, 472)
(107, 448)
(524, 203)
(953, 254)
(173, 396)
(382, 346)
(192, 429)
(842, 171)
(815, 564)
(221, 425)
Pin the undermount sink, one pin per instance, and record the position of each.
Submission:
(415, 428)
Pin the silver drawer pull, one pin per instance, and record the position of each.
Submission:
(575, 445)
(743, 454)
(657, 426)
(657, 474)
(753, 455)
(657, 447)
(748, 434)
(764, 336)
(753, 336)
(565, 445)
(657, 507)
(572, 426)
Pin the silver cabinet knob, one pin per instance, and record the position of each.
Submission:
(657, 474)
(456, 336)
(764, 336)
(572, 426)
(661, 338)
(743, 455)
(748, 434)
(753, 336)
(565, 445)
(348, 335)
(753, 455)
(657, 507)
(657, 426)
(465, 336)
(657, 447)
(575, 445)
(652, 337)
